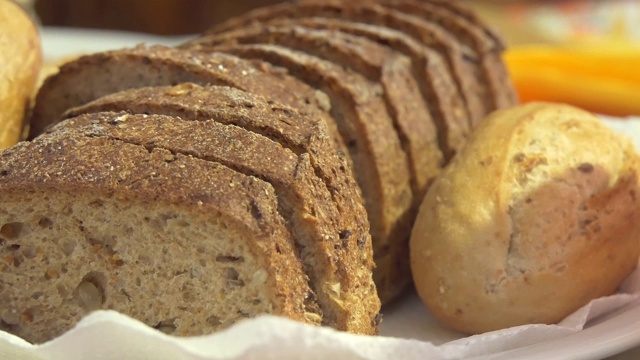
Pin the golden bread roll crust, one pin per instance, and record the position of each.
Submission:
(534, 218)
(20, 62)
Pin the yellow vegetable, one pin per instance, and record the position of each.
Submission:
(599, 77)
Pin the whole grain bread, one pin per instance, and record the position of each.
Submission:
(446, 105)
(407, 107)
(303, 200)
(408, 110)
(95, 223)
(480, 47)
(464, 73)
(96, 75)
(380, 165)
(300, 134)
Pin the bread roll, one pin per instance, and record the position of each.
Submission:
(538, 215)
(20, 61)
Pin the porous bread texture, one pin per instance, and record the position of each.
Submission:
(407, 108)
(542, 204)
(300, 134)
(334, 268)
(95, 223)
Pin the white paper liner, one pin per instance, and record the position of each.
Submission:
(408, 331)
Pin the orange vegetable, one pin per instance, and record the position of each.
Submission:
(602, 78)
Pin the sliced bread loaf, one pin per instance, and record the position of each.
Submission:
(95, 223)
(96, 75)
(300, 134)
(338, 273)
(408, 109)
(380, 165)
(438, 88)
(466, 74)
(480, 47)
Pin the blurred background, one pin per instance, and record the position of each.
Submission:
(583, 52)
(160, 17)
(521, 21)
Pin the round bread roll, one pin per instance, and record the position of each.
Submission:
(537, 215)
(20, 62)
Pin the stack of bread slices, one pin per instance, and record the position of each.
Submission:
(274, 164)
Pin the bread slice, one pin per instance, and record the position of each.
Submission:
(408, 110)
(479, 46)
(446, 105)
(464, 73)
(92, 76)
(279, 123)
(380, 165)
(300, 134)
(303, 200)
(407, 107)
(95, 223)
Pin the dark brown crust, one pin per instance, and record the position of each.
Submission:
(409, 111)
(279, 123)
(65, 162)
(304, 200)
(380, 165)
(445, 103)
(473, 91)
(92, 76)
(379, 64)
(484, 48)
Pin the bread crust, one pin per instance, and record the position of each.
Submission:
(300, 134)
(303, 200)
(428, 34)
(438, 88)
(553, 217)
(392, 71)
(479, 45)
(94, 173)
(96, 75)
(417, 133)
(407, 108)
(464, 11)
(380, 165)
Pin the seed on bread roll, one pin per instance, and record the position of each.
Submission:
(537, 215)
(20, 61)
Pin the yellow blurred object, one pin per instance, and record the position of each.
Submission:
(20, 62)
(602, 76)
(560, 22)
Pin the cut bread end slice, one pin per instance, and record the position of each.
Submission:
(338, 270)
(106, 225)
